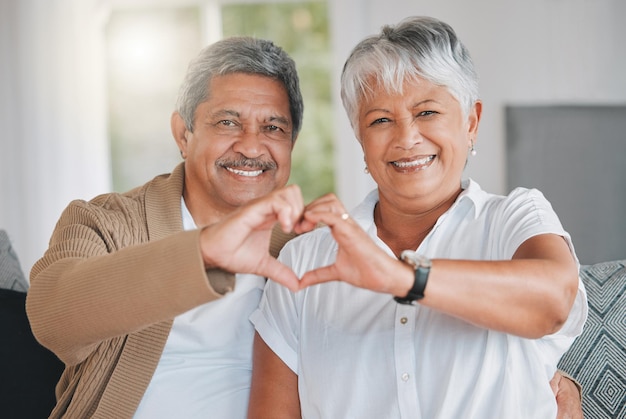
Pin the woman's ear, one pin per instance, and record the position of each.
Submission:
(473, 120)
(179, 131)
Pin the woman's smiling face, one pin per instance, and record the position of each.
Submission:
(416, 142)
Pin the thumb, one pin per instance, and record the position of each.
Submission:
(319, 275)
(281, 274)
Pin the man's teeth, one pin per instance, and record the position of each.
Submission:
(414, 163)
(248, 173)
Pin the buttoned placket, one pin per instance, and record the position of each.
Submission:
(405, 345)
(405, 362)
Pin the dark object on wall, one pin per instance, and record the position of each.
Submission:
(576, 156)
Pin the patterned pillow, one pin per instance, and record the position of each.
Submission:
(597, 359)
(11, 276)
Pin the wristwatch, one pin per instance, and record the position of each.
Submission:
(421, 265)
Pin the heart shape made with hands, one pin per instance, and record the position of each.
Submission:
(249, 239)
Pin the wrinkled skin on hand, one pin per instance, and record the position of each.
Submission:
(240, 242)
(567, 397)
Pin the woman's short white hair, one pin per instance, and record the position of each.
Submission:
(417, 47)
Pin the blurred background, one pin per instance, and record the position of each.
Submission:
(87, 88)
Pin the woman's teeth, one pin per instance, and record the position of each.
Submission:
(413, 163)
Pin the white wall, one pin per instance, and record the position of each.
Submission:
(52, 116)
(52, 103)
(530, 52)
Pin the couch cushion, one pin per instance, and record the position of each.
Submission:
(597, 359)
(28, 371)
(11, 275)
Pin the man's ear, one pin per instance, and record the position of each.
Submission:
(179, 131)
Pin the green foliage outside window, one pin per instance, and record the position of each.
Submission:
(302, 30)
(147, 54)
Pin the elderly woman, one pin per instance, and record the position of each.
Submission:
(434, 298)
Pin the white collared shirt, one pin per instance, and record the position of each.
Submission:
(206, 365)
(359, 354)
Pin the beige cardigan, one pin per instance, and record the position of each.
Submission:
(103, 297)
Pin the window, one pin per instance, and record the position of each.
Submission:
(148, 50)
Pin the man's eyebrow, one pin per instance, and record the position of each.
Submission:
(225, 113)
(279, 119)
(229, 113)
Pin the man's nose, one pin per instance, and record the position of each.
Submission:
(249, 143)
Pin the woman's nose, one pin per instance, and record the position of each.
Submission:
(408, 134)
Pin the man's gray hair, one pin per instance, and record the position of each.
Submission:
(417, 47)
(239, 55)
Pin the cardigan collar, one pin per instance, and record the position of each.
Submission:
(162, 203)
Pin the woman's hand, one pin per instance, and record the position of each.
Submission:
(359, 261)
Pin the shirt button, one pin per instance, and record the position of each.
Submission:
(403, 320)
(405, 377)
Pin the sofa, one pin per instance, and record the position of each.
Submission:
(29, 372)
(11, 275)
(597, 359)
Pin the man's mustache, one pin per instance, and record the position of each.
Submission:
(247, 162)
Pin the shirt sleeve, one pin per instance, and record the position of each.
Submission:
(277, 320)
(523, 214)
(526, 213)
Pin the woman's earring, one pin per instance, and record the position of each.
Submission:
(472, 149)
(366, 170)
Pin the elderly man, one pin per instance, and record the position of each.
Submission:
(128, 294)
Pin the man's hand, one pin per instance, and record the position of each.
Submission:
(569, 404)
(240, 242)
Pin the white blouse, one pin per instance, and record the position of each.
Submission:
(359, 354)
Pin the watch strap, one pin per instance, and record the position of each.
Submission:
(421, 266)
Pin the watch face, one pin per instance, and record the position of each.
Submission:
(415, 259)
(425, 262)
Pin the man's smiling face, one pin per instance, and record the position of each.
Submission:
(241, 145)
